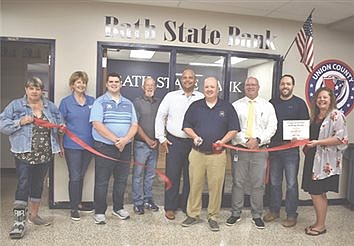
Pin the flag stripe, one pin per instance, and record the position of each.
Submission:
(304, 42)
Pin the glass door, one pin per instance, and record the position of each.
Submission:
(20, 60)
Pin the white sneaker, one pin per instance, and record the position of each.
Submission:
(122, 214)
(100, 219)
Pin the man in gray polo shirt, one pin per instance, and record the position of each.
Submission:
(145, 148)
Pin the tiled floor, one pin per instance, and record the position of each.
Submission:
(153, 229)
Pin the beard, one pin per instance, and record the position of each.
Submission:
(149, 93)
(286, 93)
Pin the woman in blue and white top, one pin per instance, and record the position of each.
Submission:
(75, 109)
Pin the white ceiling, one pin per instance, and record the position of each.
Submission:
(336, 14)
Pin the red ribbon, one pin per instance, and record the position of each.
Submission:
(77, 140)
(289, 145)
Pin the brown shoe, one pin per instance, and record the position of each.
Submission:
(269, 217)
(170, 214)
(289, 222)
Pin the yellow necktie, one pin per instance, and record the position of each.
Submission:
(250, 120)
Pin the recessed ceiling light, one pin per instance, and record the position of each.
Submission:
(205, 64)
(142, 54)
(234, 60)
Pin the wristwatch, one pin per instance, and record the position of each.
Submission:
(258, 140)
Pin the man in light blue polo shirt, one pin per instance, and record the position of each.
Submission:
(114, 124)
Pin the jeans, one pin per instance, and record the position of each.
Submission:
(103, 171)
(77, 160)
(284, 161)
(30, 181)
(146, 156)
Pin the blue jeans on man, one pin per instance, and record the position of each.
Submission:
(285, 161)
(142, 186)
(77, 160)
(103, 170)
(30, 181)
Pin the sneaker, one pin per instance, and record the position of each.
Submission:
(75, 215)
(85, 208)
(232, 220)
(100, 219)
(213, 225)
(151, 205)
(122, 214)
(258, 222)
(269, 217)
(38, 221)
(289, 222)
(139, 209)
(189, 221)
(17, 230)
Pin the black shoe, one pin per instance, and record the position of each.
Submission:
(189, 221)
(139, 209)
(213, 225)
(151, 205)
(258, 222)
(232, 220)
(75, 215)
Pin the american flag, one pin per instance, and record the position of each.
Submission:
(304, 42)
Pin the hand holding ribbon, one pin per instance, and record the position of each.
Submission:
(77, 140)
(292, 144)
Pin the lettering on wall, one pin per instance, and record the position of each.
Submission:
(135, 30)
(143, 29)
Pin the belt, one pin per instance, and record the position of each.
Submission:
(138, 140)
(178, 138)
(204, 152)
(244, 147)
(280, 143)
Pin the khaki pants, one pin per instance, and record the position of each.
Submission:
(213, 166)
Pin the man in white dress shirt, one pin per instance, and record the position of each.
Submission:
(258, 123)
(168, 130)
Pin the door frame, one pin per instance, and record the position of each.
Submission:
(51, 81)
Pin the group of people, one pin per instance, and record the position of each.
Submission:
(192, 127)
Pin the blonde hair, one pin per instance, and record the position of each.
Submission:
(78, 75)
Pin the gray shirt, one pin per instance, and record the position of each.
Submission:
(146, 111)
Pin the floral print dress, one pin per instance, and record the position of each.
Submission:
(323, 164)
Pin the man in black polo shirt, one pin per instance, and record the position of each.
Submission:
(207, 121)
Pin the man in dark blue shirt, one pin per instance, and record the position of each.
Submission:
(207, 121)
(287, 107)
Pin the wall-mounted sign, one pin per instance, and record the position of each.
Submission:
(173, 31)
(337, 76)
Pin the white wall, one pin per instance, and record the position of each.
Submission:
(264, 74)
(77, 27)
